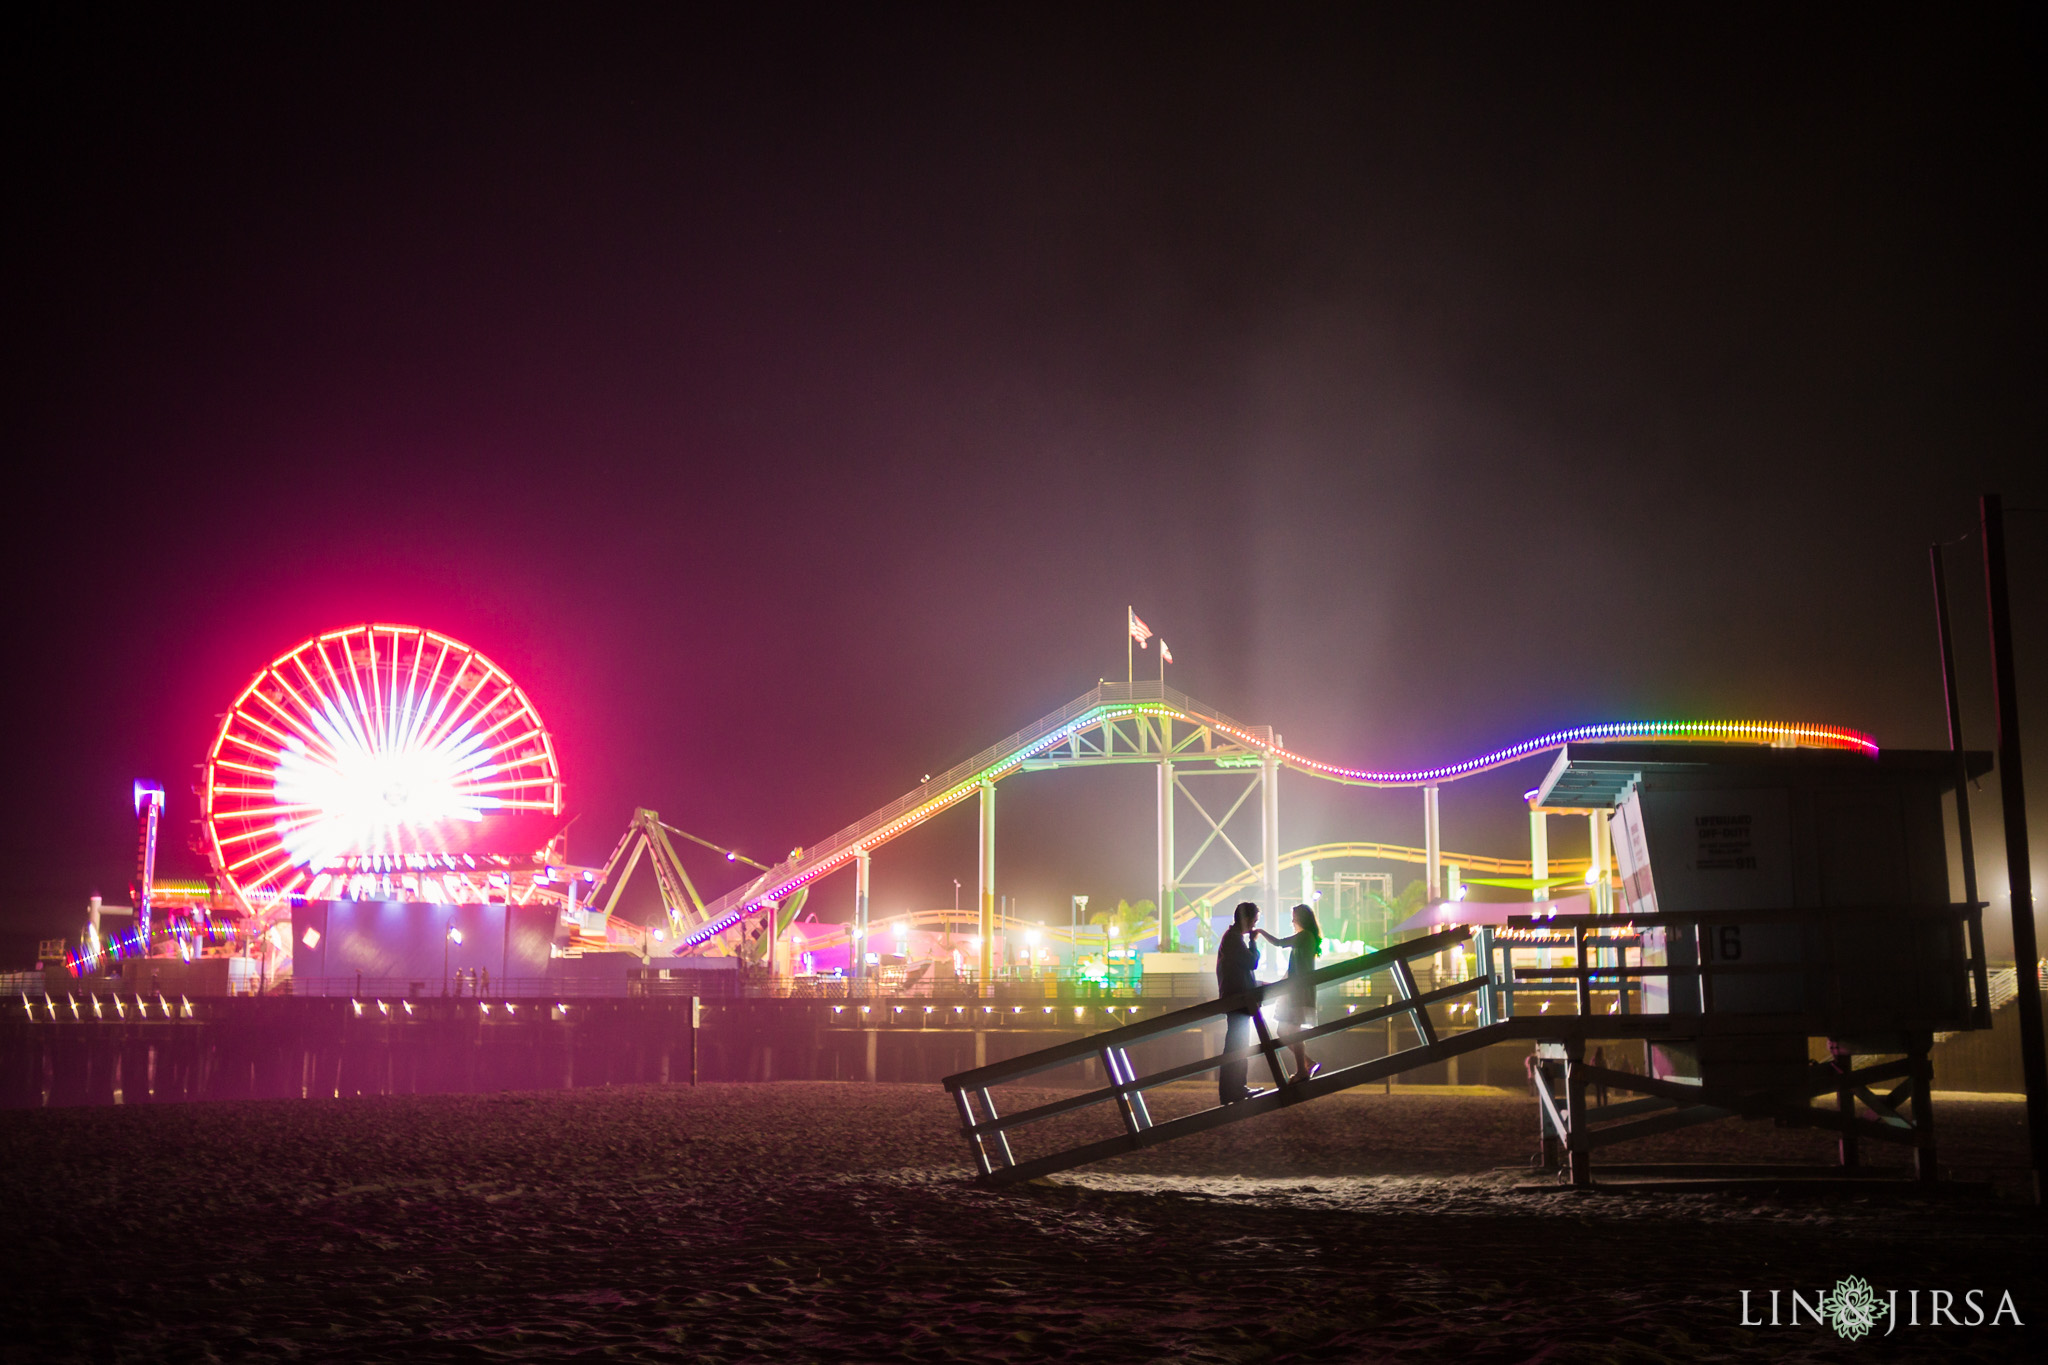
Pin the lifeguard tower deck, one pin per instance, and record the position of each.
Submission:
(1769, 898)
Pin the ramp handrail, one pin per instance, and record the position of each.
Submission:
(986, 1135)
(1061, 1054)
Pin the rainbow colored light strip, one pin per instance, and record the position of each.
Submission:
(192, 931)
(1685, 731)
(1808, 736)
(114, 946)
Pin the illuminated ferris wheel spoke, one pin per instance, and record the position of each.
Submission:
(293, 721)
(337, 718)
(366, 700)
(354, 685)
(258, 856)
(456, 721)
(279, 735)
(508, 720)
(418, 705)
(517, 743)
(435, 701)
(261, 750)
(389, 710)
(412, 679)
(381, 711)
(409, 716)
(285, 715)
(307, 681)
(509, 784)
(246, 835)
(341, 713)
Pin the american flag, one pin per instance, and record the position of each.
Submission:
(1165, 654)
(1139, 630)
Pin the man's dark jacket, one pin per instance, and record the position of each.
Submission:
(1237, 963)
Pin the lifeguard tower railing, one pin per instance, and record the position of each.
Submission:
(1851, 984)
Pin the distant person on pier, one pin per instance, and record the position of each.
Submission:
(1298, 1004)
(1237, 967)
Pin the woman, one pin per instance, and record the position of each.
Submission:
(1297, 1004)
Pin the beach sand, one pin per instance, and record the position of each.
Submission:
(812, 1221)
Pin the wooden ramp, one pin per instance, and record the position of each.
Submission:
(987, 1131)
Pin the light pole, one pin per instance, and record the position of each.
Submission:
(1077, 906)
(2019, 871)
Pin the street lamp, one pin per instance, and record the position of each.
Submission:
(1077, 906)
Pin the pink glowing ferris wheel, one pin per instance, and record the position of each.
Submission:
(385, 763)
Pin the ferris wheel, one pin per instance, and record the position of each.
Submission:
(380, 762)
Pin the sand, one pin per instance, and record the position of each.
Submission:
(810, 1221)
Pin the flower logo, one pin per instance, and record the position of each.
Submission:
(1852, 1308)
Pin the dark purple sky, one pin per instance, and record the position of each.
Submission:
(794, 402)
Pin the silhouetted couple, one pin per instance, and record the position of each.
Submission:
(1237, 968)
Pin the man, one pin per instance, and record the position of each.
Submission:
(1237, 966)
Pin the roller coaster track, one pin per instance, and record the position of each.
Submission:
(1226, 741)
(1393, 853)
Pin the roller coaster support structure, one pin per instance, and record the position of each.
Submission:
(1184, 740)
(985, 894)
(857, 951)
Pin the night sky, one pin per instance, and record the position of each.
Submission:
(793, 400)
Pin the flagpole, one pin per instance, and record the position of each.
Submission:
(1130, 661)
(1162, 661)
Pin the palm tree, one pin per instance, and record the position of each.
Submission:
(1131, 920)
